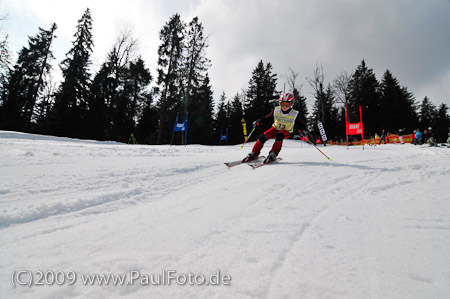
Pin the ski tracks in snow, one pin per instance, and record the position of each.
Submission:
(318, 264)
(304, 227)
(325, 197)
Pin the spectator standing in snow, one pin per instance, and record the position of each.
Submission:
(424, 136)
(448, 139)
(383, 137)
(375, 138)
(417, 137)
(431, 137)
(401, 132)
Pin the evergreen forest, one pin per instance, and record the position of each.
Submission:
(124, 97)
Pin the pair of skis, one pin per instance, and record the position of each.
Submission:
(256, 163)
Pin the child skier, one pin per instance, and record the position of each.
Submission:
(284, 120)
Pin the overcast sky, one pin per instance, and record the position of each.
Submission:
(411, 38)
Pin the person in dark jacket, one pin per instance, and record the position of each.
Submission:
(383, 137)
(431, 137)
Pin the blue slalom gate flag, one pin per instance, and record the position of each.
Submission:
(180, 127)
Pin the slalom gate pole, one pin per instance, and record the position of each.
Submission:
(242, 146)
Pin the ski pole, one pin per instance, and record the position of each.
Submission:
(321, 152)
(242, 146)
(307, 139)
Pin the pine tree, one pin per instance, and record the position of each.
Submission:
(5, 61)
(236, 114)
(261, 93)
(321, 102)
(397, 105)
(229, 116)
(364, 92)
(147, 126)
(390, 103)
(131, 99)
(139, 81)
(197, 94)
(442, 123)
(333, 125)
(200, 125)
(409, 110)
(195, 64)
(427, 114)
(169, 80)
(119, 95)
(221, 121)
(302, 108)
(339, 136)
(323, 109)
(27, 80)
(325, 112)
(71, 100)
(98, 116)
(40, 117)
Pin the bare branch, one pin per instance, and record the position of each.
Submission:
(124, 48)
(341, 87)
(291, 79)
(318, 79)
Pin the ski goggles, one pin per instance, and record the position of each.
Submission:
(285, 104)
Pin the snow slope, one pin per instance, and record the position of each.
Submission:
(371, 223)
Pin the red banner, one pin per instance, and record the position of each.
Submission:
(354, 128)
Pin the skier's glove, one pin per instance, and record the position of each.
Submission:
(256, 123)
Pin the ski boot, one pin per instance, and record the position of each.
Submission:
(250, 157)
(270, 158)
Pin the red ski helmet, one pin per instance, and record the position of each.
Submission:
(287, 98)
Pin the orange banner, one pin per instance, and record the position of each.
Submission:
(390, 138)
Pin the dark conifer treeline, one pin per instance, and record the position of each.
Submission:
(123, 97)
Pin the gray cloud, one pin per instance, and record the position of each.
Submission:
(410, 38)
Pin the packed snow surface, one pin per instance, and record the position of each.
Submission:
(372, 223)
